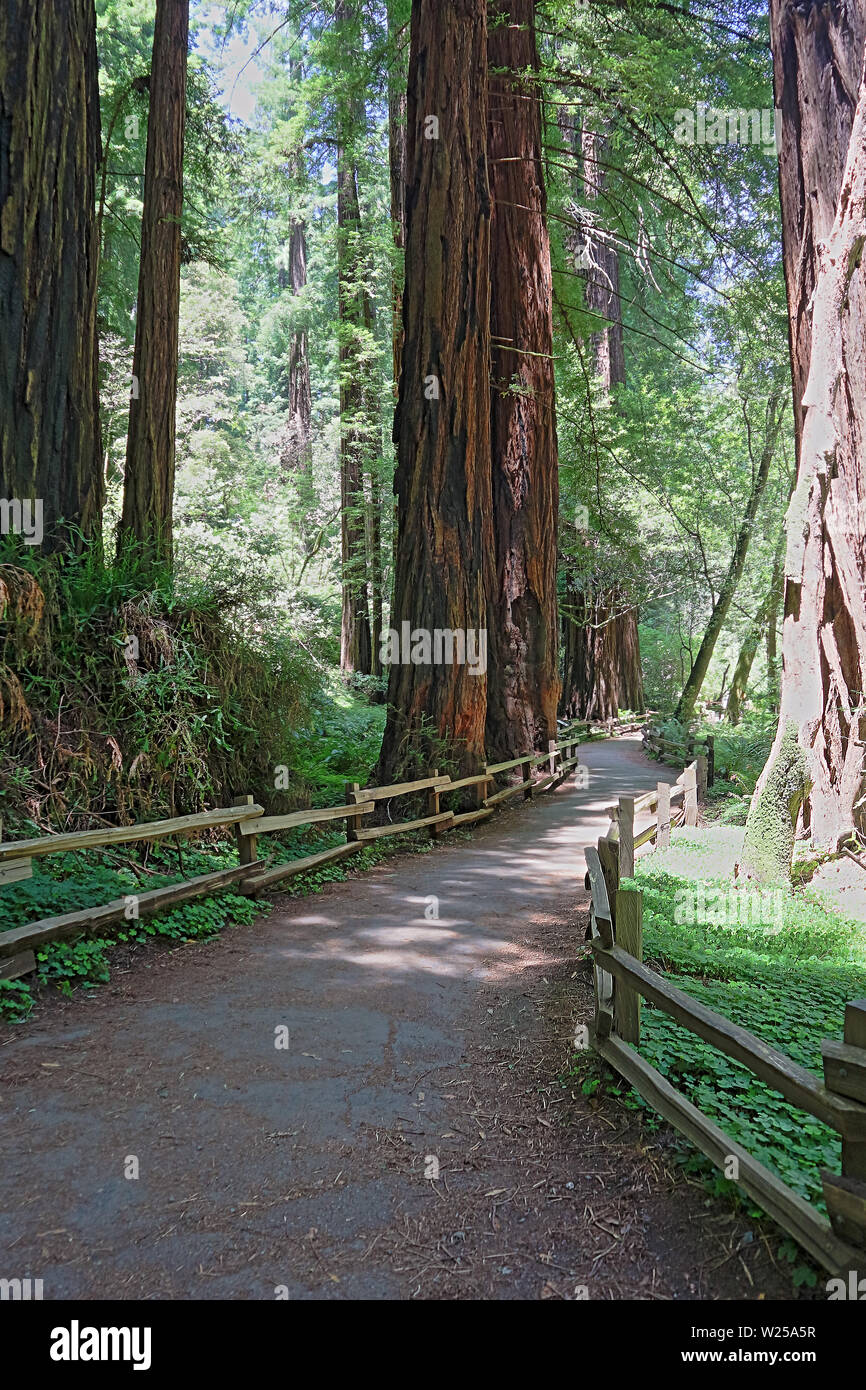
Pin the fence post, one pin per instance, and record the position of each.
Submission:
(608, 856)
(663, 816)
(353, 823)
(701, 772)
(711, 759)
(629, 937)
(690, 796)
(626, 837)
(247, 844)
(551, 748)
(526, 769)
(433, 804)
(845, 1073)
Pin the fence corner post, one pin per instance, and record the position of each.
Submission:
(845, 1074)
(353, 823)
(690, 796)
(663, 816)
(433, 804)
(626, 837)
(629, 938)
(702, 779)
(247, 844)
(526, 770)
(551, 748)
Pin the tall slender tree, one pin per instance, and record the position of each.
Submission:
(725, 597)
(816, 762)
(355, 327)
(49, 148)
(148, 487)
(523, 679)
(442, 423)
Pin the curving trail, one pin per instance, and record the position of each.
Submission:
(411, 1042)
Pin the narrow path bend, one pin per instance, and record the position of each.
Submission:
(411, 1041)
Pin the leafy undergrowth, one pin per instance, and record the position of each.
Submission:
(779, 964)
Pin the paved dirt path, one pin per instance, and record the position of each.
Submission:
(410, 1040)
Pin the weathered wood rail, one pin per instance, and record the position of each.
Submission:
(622, 981)
(539, 772)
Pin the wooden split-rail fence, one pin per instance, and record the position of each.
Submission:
(622, 981)
(539, 772)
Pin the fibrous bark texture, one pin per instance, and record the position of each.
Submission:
(148, 490)
(442, 424)
(523, 679)
(49, 149)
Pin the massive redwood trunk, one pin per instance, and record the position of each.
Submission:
(148, 487)
(442, 425)
(523, 679)
(817, 756)
(49, 148)
(602, 668)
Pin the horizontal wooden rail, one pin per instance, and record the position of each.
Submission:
(127, 834)
(795, 1083)
(263, 825)
(398, 789)
(495, 768)
(89, 918)
(267, 878)
(377, 832)
(792, 1212)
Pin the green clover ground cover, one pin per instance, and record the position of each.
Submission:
(786, 975)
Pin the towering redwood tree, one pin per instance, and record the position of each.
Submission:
(49, 148)
(442, 424)
(523, 679)
(601, 657)
(148, 488)
(602, 671)
(695, 680)
(817, 756)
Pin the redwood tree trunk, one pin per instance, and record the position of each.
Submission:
(819, 77)
(602, 669)
(148, 488)
(442, 424)
(50, 446)
(692, 689)
(523, 680)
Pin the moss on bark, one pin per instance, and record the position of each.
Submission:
(768, 847)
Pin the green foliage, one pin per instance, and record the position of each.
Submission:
(786, 975)
(173, 692)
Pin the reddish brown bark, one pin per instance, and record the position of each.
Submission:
(602, 668)
(49, 148)
(148, 488)
(442, 425)
(523, 679)
(821, 719)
